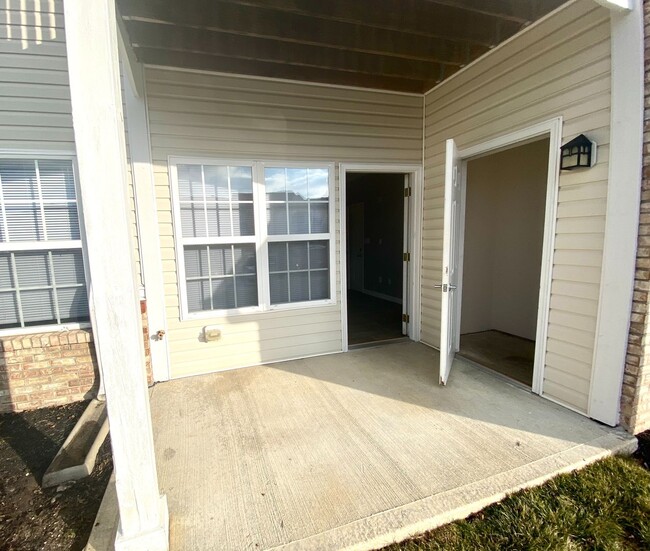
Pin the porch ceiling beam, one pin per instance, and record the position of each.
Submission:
(329, 21)
(200, 41)
(222, 39)
(152, 56)
(521, 11)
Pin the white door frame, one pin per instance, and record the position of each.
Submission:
(415, 173)
(553, 129)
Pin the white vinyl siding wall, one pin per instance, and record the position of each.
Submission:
(560, 67)
(214, 116)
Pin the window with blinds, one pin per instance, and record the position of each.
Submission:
(251, 237)
(42, 277)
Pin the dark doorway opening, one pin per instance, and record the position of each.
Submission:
(375, 244)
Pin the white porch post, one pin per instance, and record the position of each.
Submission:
(99, 136)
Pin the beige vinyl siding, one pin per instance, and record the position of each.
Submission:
(560, 67)
(35, 111)
(215, 116)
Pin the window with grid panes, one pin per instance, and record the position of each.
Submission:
(297, 207)
(218, 233)
(223, 230)
(42, 277)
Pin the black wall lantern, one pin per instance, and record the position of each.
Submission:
(580, 152)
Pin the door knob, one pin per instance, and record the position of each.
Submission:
(445, 287)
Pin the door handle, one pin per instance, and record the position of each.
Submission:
(445, 287)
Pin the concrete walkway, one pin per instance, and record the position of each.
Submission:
(352, 450)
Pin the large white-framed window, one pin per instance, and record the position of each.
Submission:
(252, 236)
(42, 275)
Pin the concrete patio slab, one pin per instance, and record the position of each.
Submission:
(353, 451)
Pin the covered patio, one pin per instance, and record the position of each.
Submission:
(338, 451)
(355, 450)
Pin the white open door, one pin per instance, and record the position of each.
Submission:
(451, 229)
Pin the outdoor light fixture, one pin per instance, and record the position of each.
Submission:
(580, 152)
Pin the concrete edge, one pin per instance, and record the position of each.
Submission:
(412, 519)
(77, 472)
(104, 530)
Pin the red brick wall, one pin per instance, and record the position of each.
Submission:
(46, 369)
(635, 399)
(51, 369)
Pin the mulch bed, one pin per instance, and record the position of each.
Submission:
(643, 453)
(32, 518)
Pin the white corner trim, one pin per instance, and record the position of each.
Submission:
(144, 192)
(617, 5)
(622, 219)
(133, 69)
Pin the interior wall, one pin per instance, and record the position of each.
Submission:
(504, 233)
(382, 196)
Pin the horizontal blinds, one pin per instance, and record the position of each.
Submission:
(37, 201)
(38, 205)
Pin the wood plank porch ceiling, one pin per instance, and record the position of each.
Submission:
(400, 45)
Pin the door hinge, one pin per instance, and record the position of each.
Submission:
(407, 257)
(407, 192)
(406, 318)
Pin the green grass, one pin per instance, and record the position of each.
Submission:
(604, 506)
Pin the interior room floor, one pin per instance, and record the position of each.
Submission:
(372, 319)
(507, 354)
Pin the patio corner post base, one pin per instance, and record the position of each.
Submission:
(155, 539)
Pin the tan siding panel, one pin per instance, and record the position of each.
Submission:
(560, 67)
(217, 116)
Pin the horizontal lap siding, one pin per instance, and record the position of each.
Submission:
(35, 110)
(560, 67)
(215, 116)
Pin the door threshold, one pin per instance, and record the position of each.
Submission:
(494, 372)
(374, 344)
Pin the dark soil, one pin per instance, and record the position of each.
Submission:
(643, 453)
(32, 518)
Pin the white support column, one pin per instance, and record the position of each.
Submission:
(622, 219)
(99, 136)
(146, 210)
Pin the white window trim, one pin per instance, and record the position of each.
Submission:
(261, 238)
(52, 155)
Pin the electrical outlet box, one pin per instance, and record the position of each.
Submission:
(211, 333)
